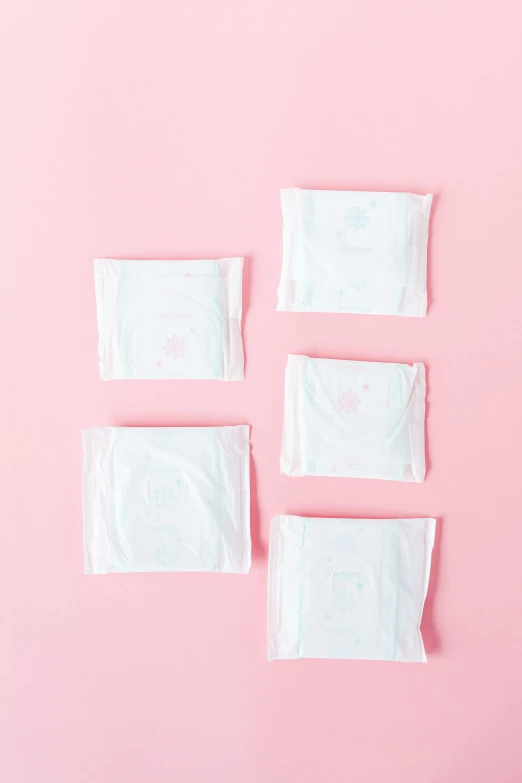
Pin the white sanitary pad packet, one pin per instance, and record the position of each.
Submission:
(348, 588)
(354, 252)
(358, 419)
(170, 319)
(166, 499)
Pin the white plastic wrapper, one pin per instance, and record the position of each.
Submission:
(170, 319)
(357, 419)
(166, 499)
(348, 588)
(354, 252)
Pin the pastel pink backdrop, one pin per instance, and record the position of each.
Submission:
(165, 130)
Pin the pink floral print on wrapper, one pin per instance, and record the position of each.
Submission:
(348, 401)
(175, 347)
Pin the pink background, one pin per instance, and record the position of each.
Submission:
(165, 130)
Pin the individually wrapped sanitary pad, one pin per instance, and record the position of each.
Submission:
(166, 499)
(354, 252)
(348, 588)
(358, 419)
(170, 319)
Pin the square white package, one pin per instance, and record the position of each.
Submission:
(354, 252)
(170, 319)
(166, 499)
(357, 419)
(348, 588)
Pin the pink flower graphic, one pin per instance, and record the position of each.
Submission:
(175, 346)
(366, 387)
(348, 401)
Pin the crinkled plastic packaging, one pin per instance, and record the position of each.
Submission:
(354, 252)
(166, 499)
(170, 319)
(356, 419)
(348, 588)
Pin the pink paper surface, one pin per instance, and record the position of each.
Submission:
(165, 130)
